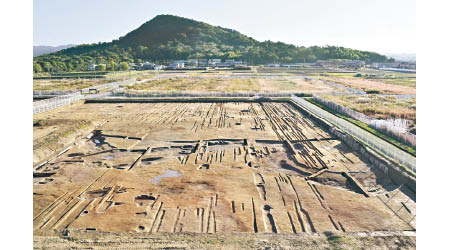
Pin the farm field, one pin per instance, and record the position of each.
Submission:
(80, 83)
(385, 83)
(399, 78)
(68, 84)
(228, 83)
(216, 168)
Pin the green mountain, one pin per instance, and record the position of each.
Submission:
(168, 37)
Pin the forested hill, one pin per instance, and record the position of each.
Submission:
(168, 37)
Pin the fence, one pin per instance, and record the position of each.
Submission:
(372, 141)
(62, 100)
(393, 127)
(52, 92)
(163, 94)
(108, 85)
(347, 90)
(55, 102)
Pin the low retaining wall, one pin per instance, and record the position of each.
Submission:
(389, 168)
(185, 99)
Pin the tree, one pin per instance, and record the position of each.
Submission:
(390, 60)
(111, 65)
(142, 51)
(100, 67)
(37, 68)
(124, 66)
(47, 66)
(311, 58)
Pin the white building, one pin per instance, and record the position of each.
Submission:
(92, 67)
(176, 65)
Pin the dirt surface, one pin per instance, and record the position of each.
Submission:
(229, 83)
(294, 84)
(329, 240)
(210, 168)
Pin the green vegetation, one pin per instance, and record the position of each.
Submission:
(378, 106)
(366, 127)
(168, 37)
(397, 78)
(124, 66)
(100, 67)
(340, 242)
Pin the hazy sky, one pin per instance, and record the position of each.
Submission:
(383, 26)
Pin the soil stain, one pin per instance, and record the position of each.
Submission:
(167, 174)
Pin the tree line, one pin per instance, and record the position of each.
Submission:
(167, 37)
(267, 52)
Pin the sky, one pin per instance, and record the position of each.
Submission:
(382, 26)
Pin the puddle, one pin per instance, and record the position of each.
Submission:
(168, 174)
(108, 157)
(327, 148)
(96, 141)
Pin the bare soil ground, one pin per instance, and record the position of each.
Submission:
(211, 168)
(213, 83)
(197, 84)
(93, 240)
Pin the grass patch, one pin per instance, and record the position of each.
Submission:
(366, 127)
(396, 78)
(378, 107)
(340, 242)
(384, 82)
(72, 239)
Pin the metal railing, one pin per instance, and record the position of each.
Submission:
(55, 102)
(108, 85)
(52, 92)
(389, 127)
(62, 100)
(370, 140)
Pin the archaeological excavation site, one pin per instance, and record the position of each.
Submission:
(211, 167)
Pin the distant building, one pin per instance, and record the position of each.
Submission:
(215, 61)
(134, 66)
(398, 65)
(191, 63)
(339, 63)
(354, 64)
(176, 65)
(291, 65)
(147, 66)
(92, 67)
(202, 62)
(230, 63)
